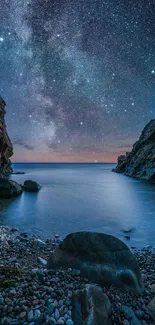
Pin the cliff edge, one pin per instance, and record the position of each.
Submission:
(140, 162)
(6, 148)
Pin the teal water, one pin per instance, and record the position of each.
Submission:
(76, 197)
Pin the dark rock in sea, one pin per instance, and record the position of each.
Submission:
(91, 306)
(6, 148)
(31, 186)
(9, 188)
(140, 162)
(101, 258)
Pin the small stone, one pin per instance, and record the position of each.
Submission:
(1, 300)
(30, 316)
(37, 313)
(22, 315)
(39, 242)
(35, 271)
(51, 321)
(153, 287)
(139, 313)
(12, 260)
(42, 261)
(57, 314)
(14, 229)
(61, 321)
(69, 322)
(51, 309)
(125, 322)
(12, 292)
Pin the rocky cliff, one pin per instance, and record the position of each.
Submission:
(140, 162)
(6, 148)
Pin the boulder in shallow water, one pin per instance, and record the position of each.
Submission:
(101, 258)
(9, 188)
(31, 186)
(91, 306)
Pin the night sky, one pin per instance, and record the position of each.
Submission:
(78, 76)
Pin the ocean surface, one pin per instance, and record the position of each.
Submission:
(76, 197)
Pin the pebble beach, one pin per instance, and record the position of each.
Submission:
(30, 294)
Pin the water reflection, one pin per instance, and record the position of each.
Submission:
(77, 197)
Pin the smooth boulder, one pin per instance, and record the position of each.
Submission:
(102, 258)
(9, 188)
(91, 306)
(31, 186)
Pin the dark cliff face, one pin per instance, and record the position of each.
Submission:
(6, 148)
(140, 162)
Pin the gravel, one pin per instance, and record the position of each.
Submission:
(32, 295)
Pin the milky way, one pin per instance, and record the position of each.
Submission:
(78, 76)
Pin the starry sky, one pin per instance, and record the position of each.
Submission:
(78, 76)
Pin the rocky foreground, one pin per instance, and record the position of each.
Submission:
(140, 162)
(32, 294)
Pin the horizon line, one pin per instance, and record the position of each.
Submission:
(63, 162)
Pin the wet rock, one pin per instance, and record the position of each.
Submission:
(31, 186)
(9, 188)
(39, 242)
(42, 261)
(90, 304)
(101, 258)
(12, 260)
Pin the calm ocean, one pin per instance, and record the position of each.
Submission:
(76, 197)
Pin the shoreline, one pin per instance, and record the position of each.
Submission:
(29, 294)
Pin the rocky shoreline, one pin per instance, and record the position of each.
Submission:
(140, 162)
(30, 294)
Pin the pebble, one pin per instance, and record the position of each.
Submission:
(12, 260)
(42, 261)
(39, 242)
(69, 322)
(30, 316)
(42, 297)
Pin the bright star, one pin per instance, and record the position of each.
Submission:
(1, 39)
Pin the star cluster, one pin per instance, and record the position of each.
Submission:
(78, 76)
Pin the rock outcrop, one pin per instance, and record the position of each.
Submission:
(6, 148)
(101, 258)
(140, 162)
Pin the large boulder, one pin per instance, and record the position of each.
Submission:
(101, 258)
(31, 186)
(91, 306)
(140, 162)
(9, 188)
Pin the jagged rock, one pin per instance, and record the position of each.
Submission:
(140, 162)
(6, 148)
(31, 186)
(91, 306)
(9, 188)
(101, 258)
